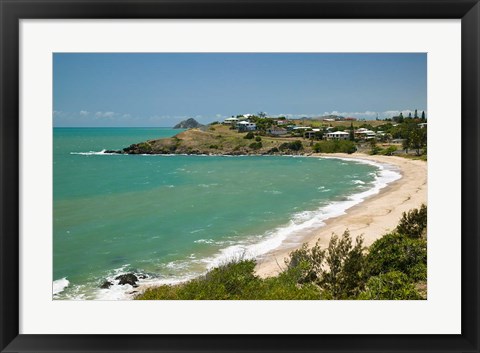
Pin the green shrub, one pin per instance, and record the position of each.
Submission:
(249, 135)
(293, 146)
(214, 147)
(388, 151)
(306, 263)
(397, 252)
(335, 146)
(235, 280)
(337, 270)
(392, 285)
(284, 287)
(296, 145)
(234, 277)
(258, 139)
(144, 147)
(255, 145)
(374, 149)
(414, 223)
(165, 292)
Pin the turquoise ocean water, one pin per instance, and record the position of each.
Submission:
(172, 217)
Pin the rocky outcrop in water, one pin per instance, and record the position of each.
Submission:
(106, 285)
(128, 278)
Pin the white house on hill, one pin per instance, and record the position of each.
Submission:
(365, 134)
(246, 126)
(337, 135)
(311, 134)
(230, 121)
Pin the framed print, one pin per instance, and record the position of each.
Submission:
(154, 191)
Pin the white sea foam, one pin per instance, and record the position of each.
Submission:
(322, 189)
(118, 291)
(126, 291)
(59, 285)
(306, 220)
(204, 241)
(92, 153)
(207, 185)
(273, 192)
(252, 247)
(197, 231)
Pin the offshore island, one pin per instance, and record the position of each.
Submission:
(374, 250)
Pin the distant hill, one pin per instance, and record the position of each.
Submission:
(187, 124)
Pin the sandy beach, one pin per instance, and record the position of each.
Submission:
(372, 218)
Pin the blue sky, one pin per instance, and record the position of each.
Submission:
(162, 89)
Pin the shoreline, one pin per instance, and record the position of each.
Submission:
(375, 216)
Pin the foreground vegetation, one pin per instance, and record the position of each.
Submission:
(393, 267)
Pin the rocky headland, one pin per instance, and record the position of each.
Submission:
(219, 139)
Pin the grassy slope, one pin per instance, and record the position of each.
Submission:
(215, 139)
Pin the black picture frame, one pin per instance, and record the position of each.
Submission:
(13, 10)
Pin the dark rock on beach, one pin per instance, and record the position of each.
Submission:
(106, 285)
(128, 278)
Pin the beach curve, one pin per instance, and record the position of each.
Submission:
(372, 218)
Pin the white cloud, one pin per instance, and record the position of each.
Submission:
(61, 115)
(364, 114)
(368, 114)
(105, 114)
(294, 116)
(372, 115)
(84, 113)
